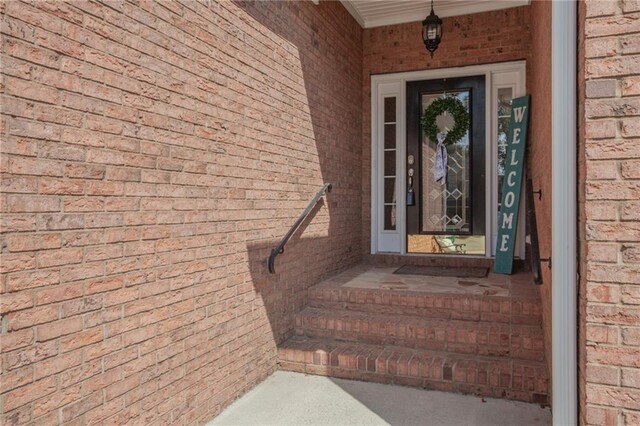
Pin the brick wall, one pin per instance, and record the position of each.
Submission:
(482, 38)
(609, 219)
(152, 153)
(539, 153)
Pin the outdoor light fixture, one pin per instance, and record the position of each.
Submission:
(432, 31)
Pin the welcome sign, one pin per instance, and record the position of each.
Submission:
(511, 185)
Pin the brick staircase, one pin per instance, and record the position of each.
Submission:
(481, 337)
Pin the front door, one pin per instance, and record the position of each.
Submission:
(448, 214)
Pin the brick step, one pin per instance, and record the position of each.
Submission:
(468, 337)
(469, 374)
(508, 310)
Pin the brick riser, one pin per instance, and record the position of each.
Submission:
(442, 306)
(468, 337)
(485, 345)
(490, 377)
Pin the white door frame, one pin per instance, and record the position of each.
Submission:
(507, 74)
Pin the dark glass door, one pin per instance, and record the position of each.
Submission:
(448, 216)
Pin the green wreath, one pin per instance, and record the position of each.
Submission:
(453, 106)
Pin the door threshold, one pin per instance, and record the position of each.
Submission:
(447, 255)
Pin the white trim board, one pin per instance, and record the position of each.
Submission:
(377, 13)
(507, 74)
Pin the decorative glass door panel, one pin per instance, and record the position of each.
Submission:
(449, 214)
(446, 206)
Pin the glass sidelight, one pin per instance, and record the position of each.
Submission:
(449, 215)
(505, 95)
(390, 152)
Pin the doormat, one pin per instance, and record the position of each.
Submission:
(443, 271)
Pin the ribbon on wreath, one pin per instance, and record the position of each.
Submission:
(441, 164)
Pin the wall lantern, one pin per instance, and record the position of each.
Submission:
(432, 31)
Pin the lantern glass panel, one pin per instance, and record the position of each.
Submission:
(432, 32)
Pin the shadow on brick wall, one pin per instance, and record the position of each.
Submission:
(323, 45)
(284, 293)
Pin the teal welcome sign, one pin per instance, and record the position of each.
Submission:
(511, 186)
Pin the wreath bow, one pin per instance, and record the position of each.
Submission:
(442, 161)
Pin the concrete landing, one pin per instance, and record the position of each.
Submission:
(287, 398)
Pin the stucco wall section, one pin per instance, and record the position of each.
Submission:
(152, 155)
(609, 212)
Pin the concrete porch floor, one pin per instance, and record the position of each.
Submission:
(287, 398)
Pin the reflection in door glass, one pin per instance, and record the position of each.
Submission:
(446, 207)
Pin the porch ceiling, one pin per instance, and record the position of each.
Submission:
(378, 13)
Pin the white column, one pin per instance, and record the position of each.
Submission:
(564, 216)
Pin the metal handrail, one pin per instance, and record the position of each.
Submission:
(280, 247)
(533, 236)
